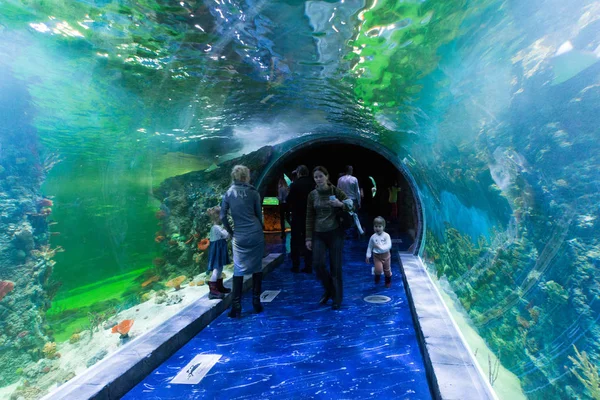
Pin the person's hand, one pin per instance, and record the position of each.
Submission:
(309, 245)
(336, 203)
(367, 260)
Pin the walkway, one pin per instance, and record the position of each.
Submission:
(297, 349)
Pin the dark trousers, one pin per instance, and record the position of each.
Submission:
(298, 247)
(332, 279)
(282, 216)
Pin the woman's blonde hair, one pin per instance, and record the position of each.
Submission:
(240, 173)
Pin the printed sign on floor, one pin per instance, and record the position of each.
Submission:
(196, 369)
(268, 295)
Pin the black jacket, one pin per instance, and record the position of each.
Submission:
(296, 200)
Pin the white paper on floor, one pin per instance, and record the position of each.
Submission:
(268, 295)
(196, 369)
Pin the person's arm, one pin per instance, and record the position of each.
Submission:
(223, 233)
(223, 215)
(370, 249)
(346, 202)
(258, 209)
(357, 192)
(310, 220)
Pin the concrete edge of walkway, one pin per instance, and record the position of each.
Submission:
(451, 368)
(118, 373)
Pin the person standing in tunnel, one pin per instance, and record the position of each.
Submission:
(282, 194)
(297, 198)
(323, 233)
(393, 200)
(243, 201)
(349, 185)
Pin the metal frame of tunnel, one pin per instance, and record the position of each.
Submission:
(368, 144)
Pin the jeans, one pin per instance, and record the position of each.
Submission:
(332, 279)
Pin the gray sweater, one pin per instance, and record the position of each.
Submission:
(320, 215)
(243, 201)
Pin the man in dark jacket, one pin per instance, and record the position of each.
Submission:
(296, 201)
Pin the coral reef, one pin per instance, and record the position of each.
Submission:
(586, 372)
(23, 231)
(5, 288)
(49, 350)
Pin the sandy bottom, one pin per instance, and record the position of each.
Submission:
(74, 357)
(507, 385)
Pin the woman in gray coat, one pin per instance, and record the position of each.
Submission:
(243, 201)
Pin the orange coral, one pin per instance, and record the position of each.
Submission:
(176, 282)
(159, 239)
(5, 288)
(160, 214)
(123, 327)
(203, 244)
(149, 281)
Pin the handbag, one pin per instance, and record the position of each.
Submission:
(344, 218)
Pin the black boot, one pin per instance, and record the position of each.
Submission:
(307, 268)
(236, 301)
(377, 278)
(325, 298)
(213, 292)
(222, 288)
(388, 281)
(256, 291)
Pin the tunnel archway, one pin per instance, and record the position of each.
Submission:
(370, 160)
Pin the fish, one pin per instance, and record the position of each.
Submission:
(191, 370)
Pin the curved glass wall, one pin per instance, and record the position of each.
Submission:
(490, 104)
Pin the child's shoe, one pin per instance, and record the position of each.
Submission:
(214, 292)
(388, 281)
(377, 278)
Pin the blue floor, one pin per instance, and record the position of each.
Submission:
(297, 349)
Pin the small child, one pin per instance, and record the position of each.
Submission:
(217, 254)
(380, 245)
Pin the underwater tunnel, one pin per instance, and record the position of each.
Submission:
(120, 122)
(370, 160)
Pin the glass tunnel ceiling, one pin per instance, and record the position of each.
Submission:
(491, 106)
